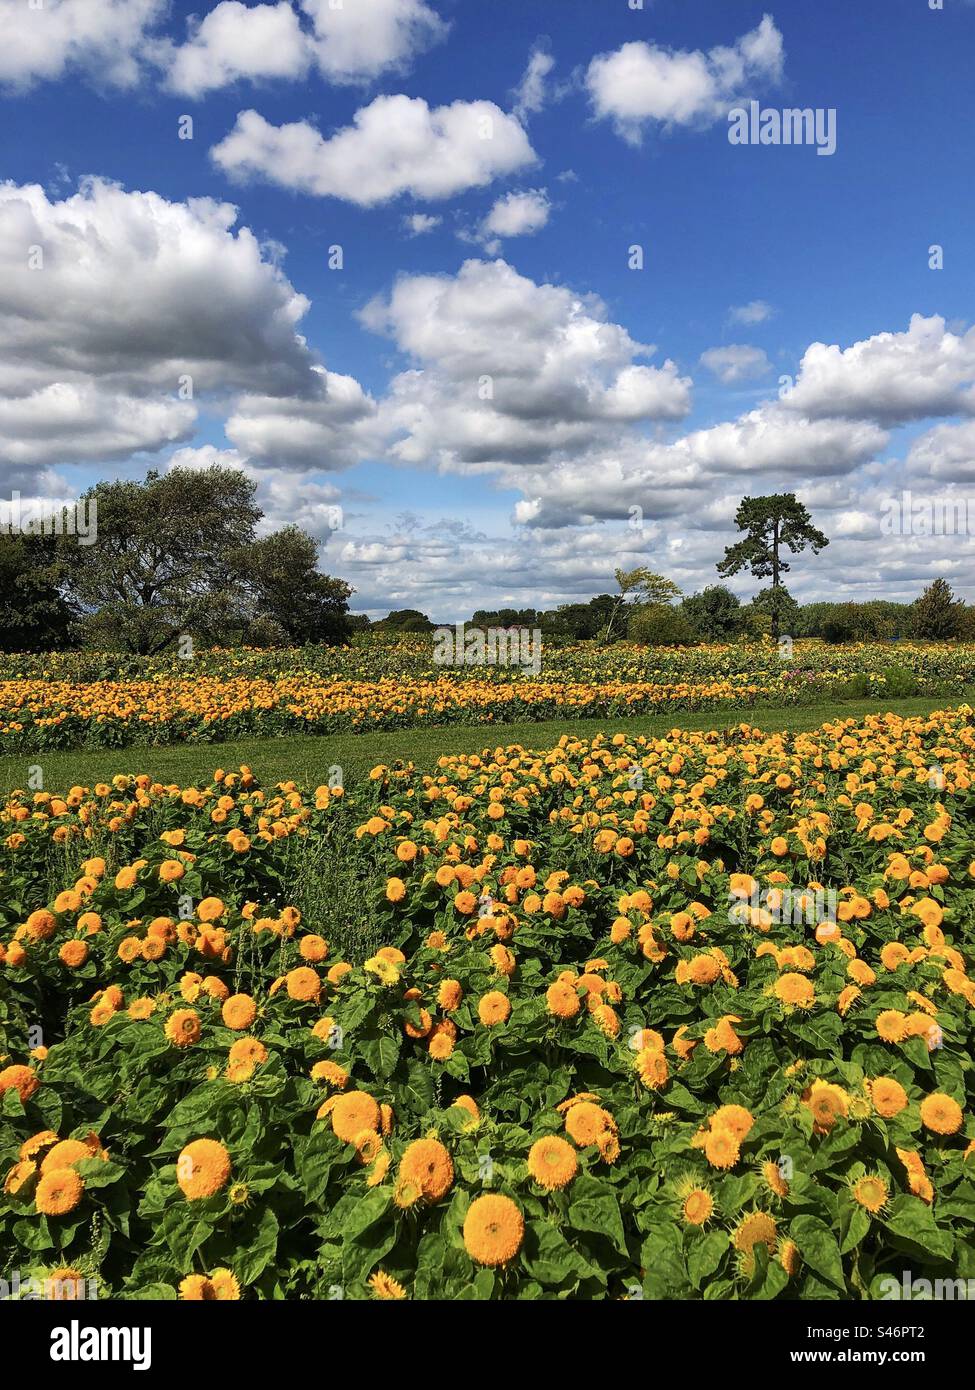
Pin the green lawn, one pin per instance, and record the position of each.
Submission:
(307, 760)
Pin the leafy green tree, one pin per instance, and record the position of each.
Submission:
(285, 590)
(638, 587)
(404, 620)
(715, 613)
(937, 613)
(770, 524)
(34, 613)
(577, 622)
(660, 625)
(780, 606)
(877, 619)
(176, 556)
(162, 567)
(505, 617)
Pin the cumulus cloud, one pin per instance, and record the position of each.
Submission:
(121, 312)
(236, 41)
(641, 83)
(350, 43)
(518, 214)
(363, 40)
(331, 430)
(756, 311)
(103, 40)
(667, 478)
(947, 452)
(736, 363)
(419, 223)
(891, 377)
(396, 145)
(93, 424)
(120, 42)
(132, 288)
(511, 372)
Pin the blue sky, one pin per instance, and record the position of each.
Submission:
(525, 497)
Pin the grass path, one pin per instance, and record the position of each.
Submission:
(308, 760)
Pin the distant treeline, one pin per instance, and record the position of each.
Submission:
(717, 615)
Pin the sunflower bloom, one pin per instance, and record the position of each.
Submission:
(493, 1229)
(427, 1164)
(552, 1162)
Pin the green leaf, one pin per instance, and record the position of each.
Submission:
(257, 1246)
(381, 1055)
(819, 1249)
(704, 1255)
(594, 1208)
(913, 1223)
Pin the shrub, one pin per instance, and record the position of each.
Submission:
(659, 625)
(899, 682)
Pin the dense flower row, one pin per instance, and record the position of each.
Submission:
(53, 702)
(685, 1018)
(111, 714)
(376, 657)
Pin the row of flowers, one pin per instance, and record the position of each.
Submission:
(683, 1018)
(223, 696)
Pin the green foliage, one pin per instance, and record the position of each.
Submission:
(34, 613)
(177, 557)
(660, 625)
(404, 620)
(285, 589)
(715, 613)
(643, 588)
(937, 613)
(771, 524)
(899, 683)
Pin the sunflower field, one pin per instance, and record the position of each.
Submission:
(105, 700)
(683, 1018)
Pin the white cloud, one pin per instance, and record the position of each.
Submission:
(946, 452)
(237, 41)
(119, 42)
(532, 91)
(891, 377)
(512, 373)
(396, 145)
(332, 430)
(103, 39)
(518, 214)
(736, 362)
(362, 39)
(83, 422)
(141, 311)
(667, 479)
(136, 289)
(419, 223)
(770, 440)
(756, 311)
(641, 83)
